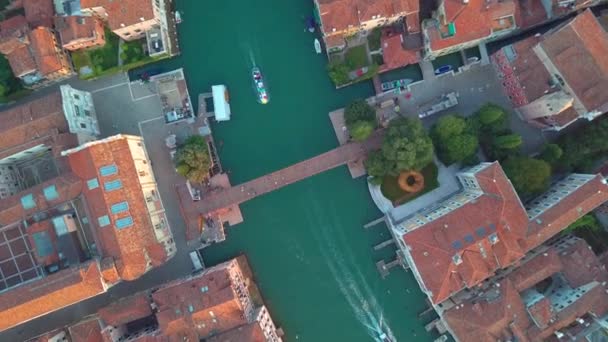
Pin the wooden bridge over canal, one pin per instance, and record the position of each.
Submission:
(231, 196)
(291, 174)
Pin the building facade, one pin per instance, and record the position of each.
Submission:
(555, 79)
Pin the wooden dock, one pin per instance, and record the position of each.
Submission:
(384, 244)
(202, 105)
(374, 222)
(385, 268)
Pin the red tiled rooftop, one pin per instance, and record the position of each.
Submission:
(11, 211)
(126, 310)
(342, 14)
(21, 61)
(579, 50)
(54, 292)
(393, 52)
(74, 29)
(132, 246)
(183, 306)
(12, 24)
(541, 312)
(86, 331)
(251, 332)
(432, 245)
(536, 269)
(39, 12)
(473, 20)
(127, 12)
(44, 51)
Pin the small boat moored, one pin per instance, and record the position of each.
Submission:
(259, 86)
(178, 17)
(443, 69)
(318, 46)
(386, 86)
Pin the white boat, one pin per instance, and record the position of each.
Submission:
(318, 46)
(178, 17)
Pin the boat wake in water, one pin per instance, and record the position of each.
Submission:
(346, 272)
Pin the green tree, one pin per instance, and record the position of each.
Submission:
(406, 146)
(361, 130)
(507, 142)
(192, 159)
(585, 222)
(490, 114)
(376, 166)
(551, 153)
(360, 119)
(529, 176)
(448, 126)
(459, 148)
(338, 72)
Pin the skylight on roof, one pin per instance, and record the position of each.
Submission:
(124, 222)
(103, 220)
(50, 192)
(112, 185)
(92, 184)
(28, 202)
(481, 232)
(108, 170)
(119, 207)
(469, 238)
(457, 244)
(44, 247)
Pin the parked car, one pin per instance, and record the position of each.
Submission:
(443, 69)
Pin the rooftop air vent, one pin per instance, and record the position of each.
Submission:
(457, 259)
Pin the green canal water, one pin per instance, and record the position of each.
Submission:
(312, 259)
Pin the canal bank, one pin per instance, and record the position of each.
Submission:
(312, 258)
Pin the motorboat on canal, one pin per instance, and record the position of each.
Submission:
(259, 86)
(318, 46)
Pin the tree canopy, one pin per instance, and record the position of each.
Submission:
(376, 166)
(508, 141)
(490, 114)
(551, 153)
(406, 146)
(192, 159)
(338, 72)
(453, 140)
(360, 119)
(529, 176)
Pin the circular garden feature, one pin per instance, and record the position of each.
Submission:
(411, 181)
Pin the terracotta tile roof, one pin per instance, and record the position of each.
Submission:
(538, 268)
(34, 119)
(532, 13)
(459, 232)
(132, 246)
(74, 30)
(127, 12)
(579, 50)
(11, 211)
(21, 61)
(47, 57)
(12, 24)
(342, 14)
(541, 312)
(473, 20)
(86, 331)
(492, 319)
(108, 271)
(556, 218)
(54, 292)
(251, 332)
(581, 265)
(126, 310)
(39, 12)
(335, 40)
(394, 51)
(43, 226)
(183, 308)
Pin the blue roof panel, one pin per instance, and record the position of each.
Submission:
(44, 247)
(124, 222)
(457, 244)
(50, 192)
(108, 170)
(469, 238)
(103, 220)
(119, 207)
(28, 202)
(112, 185)
(93, 184)
(481, 232)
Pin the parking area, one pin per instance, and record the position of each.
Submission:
(17, 263)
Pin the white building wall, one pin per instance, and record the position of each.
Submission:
(9, 183)
(79, 112)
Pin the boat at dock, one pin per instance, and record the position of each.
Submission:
(402, 83)
(178, 17)
(318, 46)
(259, 86)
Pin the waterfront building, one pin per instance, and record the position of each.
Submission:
(343, 18)
(76, 220)
(483, 230)
(458, 25)
(559, 77)
(135, 19)
(484, 227)
(219, 304)
(80, 32)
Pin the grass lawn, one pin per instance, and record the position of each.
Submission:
(133, 51)
(80, 59)
(105, 57)
(356, 57)
(377, 59)
(391, 190)
(373, 40)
